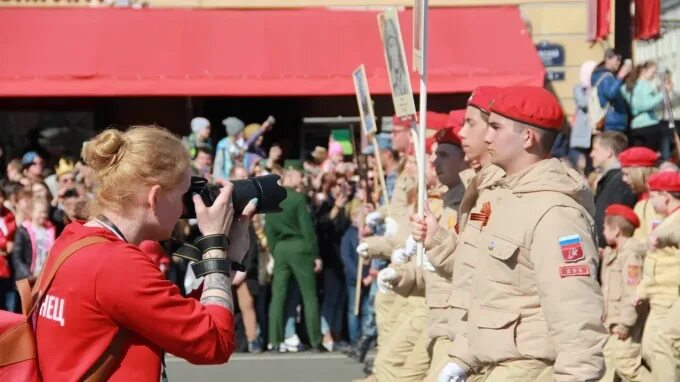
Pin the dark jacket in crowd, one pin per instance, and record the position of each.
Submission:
(348, 254)
(22, 254)
(609, 92)
(329, 231)
(611, 189)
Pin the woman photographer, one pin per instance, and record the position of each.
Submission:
(109, 300)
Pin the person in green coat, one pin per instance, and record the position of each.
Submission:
(292, 240)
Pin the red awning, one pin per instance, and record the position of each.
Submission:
(210, 52)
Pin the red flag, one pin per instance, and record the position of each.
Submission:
(599, 12)
(647, 19)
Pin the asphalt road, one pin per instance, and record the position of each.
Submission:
(269, 367)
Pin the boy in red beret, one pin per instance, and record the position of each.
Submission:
(660, 283)
(534, 306)
(620, 274)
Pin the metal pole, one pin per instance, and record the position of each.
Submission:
(421, 128)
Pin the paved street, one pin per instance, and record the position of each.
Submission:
(269, 367)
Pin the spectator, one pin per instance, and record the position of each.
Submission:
(33, 242)
(331, 223)
(199, 137)
(33, 166)
(67, 210)
(202, 163)
(611, 189)
(15, 170)
(581, 132)
(349, 256)
(254, 136)
(8, 227)
(64, 177)
(230, 149)
(643, 99)
(292, 240)
(608, 87)
(245, 283)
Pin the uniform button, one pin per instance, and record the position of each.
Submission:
(492, 245)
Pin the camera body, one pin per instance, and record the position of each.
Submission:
(266, 189)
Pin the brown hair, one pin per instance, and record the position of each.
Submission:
(619, 222)
(122, 161)
(634, 75)
(638, 177)
(613, 140)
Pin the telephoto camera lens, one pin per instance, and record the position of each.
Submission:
(266, 189)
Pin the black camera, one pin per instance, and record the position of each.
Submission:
(265, 188)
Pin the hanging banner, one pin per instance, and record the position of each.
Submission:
(364, 101)
(397, 68)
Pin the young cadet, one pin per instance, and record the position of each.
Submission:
(637, 164)
(620, 274)
(405, 278)
(660, 283)
(535, 306)
(666, 348)
(440, 243)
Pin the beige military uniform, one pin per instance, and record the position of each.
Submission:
(660, 281)
(440, 251)
(620, 274)
(649, 219)
(666, 350)
(535, 306)
(432, 345)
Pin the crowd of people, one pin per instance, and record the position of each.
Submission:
(532, 309)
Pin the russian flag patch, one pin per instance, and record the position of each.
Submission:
(571, 247)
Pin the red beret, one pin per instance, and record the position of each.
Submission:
(429, 141)
(456, 118)
(638, 157)
(664, 181)
(623, 211)
(436, 121)
(448, 135)
(532, 105)
(396, 121)
(482, 96)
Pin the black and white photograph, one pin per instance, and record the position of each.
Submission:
(397, 67)
(364, 101)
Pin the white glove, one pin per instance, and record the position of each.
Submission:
(270, 266)
(391, 227)
(362, 250)
(427, 265)
(399, 256)
(374, 218)
(411, 246)
(451, 373)
(386, 279)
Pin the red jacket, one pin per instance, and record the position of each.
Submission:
(110, 285)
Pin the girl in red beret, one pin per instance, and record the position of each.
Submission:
(637, 164)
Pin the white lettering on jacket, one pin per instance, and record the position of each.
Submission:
(52, 308)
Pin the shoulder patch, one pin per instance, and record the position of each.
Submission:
(574, 270)
(634, 272)
(571, 248)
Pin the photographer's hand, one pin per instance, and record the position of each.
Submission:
(217, 218)
(212, 220)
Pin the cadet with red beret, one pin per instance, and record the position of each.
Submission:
(535, 306)
(637, 163)
(621, 272)
(405, 278)
(440, 243)
(660, 283)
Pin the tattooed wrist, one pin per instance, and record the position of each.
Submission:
(217, 291)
